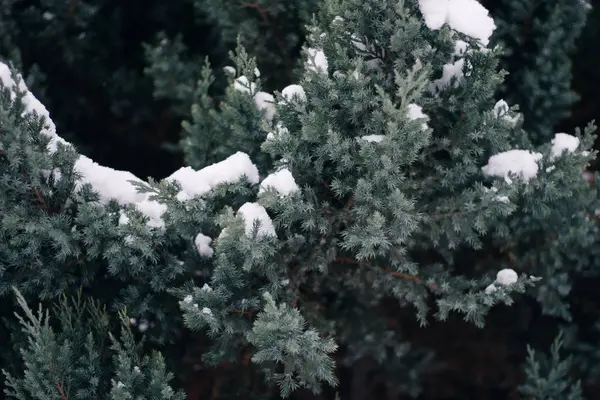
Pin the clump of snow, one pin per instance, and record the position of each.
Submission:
(501, 110)
(373, 138)
(256, 72)
(464, 16)
(317, 61)
(500, 198)
(506, 277)
(522, 163)
(251, 212)
(416, 112)
(491, 289)
(242, 84)
(294, 91)
(232, 169)
(143, 326)
(229, 70)
(206, 311)
(202, 243)
(280, 131)
(282, 181)
(450, 72)
(188, 299)
(563, 142)
(206, 288)
(338, 20)
(266, 102)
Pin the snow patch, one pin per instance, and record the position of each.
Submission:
(242, 84)
(265, 102)
(506, 277)
(522, 163)
(282, 181)
(251, 212)
(202, 243)
(563, 142)
(501, 110)
(317, 61)
(464, 16)
(294, 92)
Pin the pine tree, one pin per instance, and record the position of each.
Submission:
(388, 172)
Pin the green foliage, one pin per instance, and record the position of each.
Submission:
(73, 360)
(377, 188)
(548, 376)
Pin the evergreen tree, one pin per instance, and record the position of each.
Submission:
(387, 173)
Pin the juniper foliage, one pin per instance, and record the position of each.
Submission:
(387, 173)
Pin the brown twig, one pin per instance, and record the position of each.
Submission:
(414, 278)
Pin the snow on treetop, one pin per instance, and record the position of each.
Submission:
(282, 181)
(291, 91)
(202, 243)
(32, 105)
(563, 142)
(251, 212)
(232, 169)
(519, 162)
(416, 112)
(317, 61)
(242, 84)
(506, 276)
(464, 16)
(266, 102)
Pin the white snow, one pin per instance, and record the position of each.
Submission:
(266, 102)
(206, 288)
(251, 212)
(293, 91)
(143, 327)
(282, 181)
(188, 299)
(522, 163)
(501, 109)
(373, 138)
(506, 276)
(280, 131)
(120, 384)
(490, 289)
(563, 142)
(317, 61)
(202, 243)
(206, 311)
(229, 70)
(338, 20)
(460, 47)
(232, 169)
(449, 71)
(242, 84)
(416, 112)
(464, 16)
